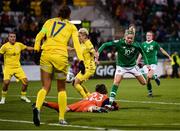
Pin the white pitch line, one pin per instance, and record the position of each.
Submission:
(54, 124)
(95, 128)
(121, 100)
(150, 102)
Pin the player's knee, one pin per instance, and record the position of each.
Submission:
(143, 82)
(6, 82)
(24, 81)
(116, 82)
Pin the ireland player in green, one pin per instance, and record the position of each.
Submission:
(150, 48)
(128, 51)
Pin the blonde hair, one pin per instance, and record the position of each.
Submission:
(127, 32)
(132, 28)
(84, 30)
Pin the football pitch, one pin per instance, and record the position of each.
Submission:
(137, 111)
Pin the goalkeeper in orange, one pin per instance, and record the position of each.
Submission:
(12, 67)
(54, 59)
(89, 61)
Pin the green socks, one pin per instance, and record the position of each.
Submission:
(113, 93)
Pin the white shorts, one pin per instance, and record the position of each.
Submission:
(132, 70)
(153, 67)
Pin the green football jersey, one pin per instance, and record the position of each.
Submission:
(151, 49)
(127, 54)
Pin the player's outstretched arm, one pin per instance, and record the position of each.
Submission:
(165, 53)
(70, 48)
(105, 45)
(29, 48)
(138, 59)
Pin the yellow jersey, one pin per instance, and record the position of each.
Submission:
(88, 54)
(58, 33)
(12, 53)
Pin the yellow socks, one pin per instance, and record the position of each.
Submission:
(23, 93)
(62, 101)
(4, 93)
(40, 98)
(86, 91)
(81, 90)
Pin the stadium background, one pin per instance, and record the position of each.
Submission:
(106, 20)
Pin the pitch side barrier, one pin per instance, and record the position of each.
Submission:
(106, 69)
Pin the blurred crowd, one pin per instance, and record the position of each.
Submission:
(160, 16)
(26, 17)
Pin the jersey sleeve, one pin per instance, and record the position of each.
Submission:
(91, 48)
(76, 43)
(22, 46)
(158, 46)
(143, 53)
(2, 49)
(105, 45)
(41, 35)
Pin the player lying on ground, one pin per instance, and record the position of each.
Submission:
(96, 102)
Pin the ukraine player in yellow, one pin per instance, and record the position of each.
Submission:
(12, 67)
(89, 55)
(54, 59)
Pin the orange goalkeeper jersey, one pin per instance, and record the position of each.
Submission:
(95, 99)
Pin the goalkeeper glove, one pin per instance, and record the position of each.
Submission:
(82, 67)
(36, 57)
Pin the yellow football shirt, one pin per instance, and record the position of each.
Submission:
(12, 54)
(88, 54)
(58, 33)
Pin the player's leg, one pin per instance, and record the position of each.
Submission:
(149, 85)
(155, 77)
(117, 79)
(114, 88)
(24, 90)
(78, 81)
(52, 105)
(141, 79)
(87, 75)
(148, 79)
(4, 91)
(60, 65)
(46, 85)
(20, 75)
(6, 81)
(78, 86)
(86, 90)
(62, 100)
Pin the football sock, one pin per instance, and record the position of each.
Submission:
(62, 102)
(4, 93)
(86, 90)
(23, 93)
(81, 90)
(40, 98)
(149, 87)
(113, 94)
(154, 77)
(143, 73)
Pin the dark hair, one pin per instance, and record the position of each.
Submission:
(101, 88)
(150, 32)
(64, 12)
(12, 32)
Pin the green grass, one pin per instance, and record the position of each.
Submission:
(135, 113)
